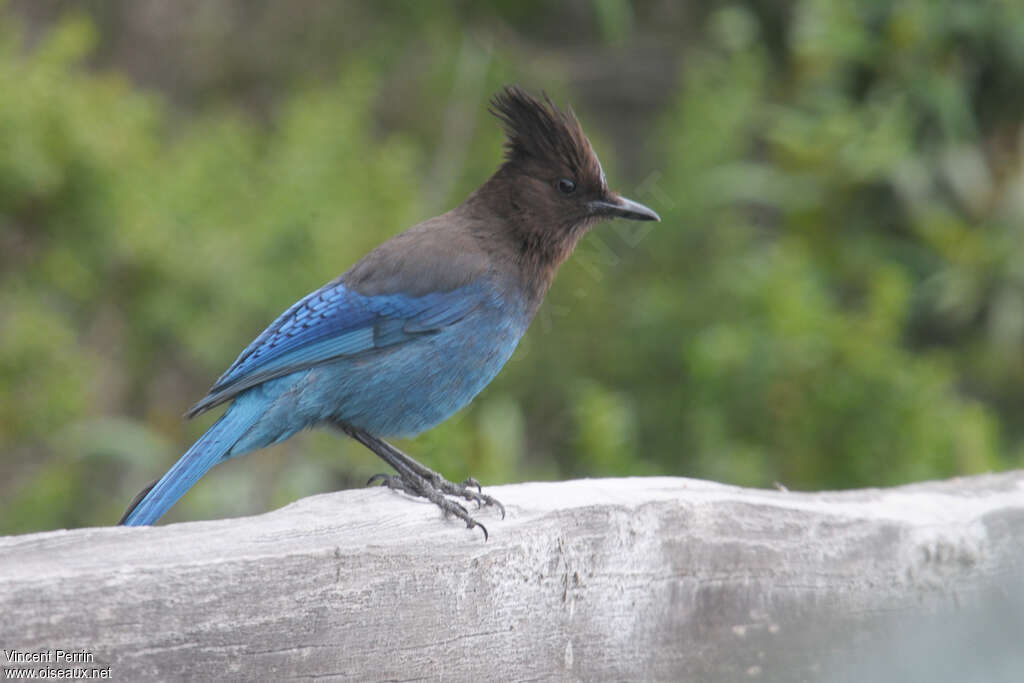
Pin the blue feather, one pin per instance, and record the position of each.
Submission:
(336, 321)
(212, 447)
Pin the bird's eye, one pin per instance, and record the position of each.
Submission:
(566, 186)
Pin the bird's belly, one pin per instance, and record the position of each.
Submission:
(406, 389)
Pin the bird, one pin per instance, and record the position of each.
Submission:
(413, 331)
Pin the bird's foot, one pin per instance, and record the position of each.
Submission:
(436, 488)
(419, 480)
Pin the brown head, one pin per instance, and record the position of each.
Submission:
(551, 187)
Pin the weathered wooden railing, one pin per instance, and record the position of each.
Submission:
(613, 579)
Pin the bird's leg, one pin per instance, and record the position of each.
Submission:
(418, 480)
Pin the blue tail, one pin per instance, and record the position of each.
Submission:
(212, 447)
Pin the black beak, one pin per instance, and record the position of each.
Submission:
(614, 206)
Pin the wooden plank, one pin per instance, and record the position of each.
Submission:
(609, 579)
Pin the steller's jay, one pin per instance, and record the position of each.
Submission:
(417, 328)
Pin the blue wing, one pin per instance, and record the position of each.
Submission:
(336, 321)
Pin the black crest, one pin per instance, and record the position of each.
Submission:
(537, 130)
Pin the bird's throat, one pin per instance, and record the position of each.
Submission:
(540, 254)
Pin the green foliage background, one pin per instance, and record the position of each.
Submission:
(835, 296)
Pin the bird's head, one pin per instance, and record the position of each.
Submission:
(552, 182)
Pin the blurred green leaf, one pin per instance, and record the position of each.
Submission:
(835, 296)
